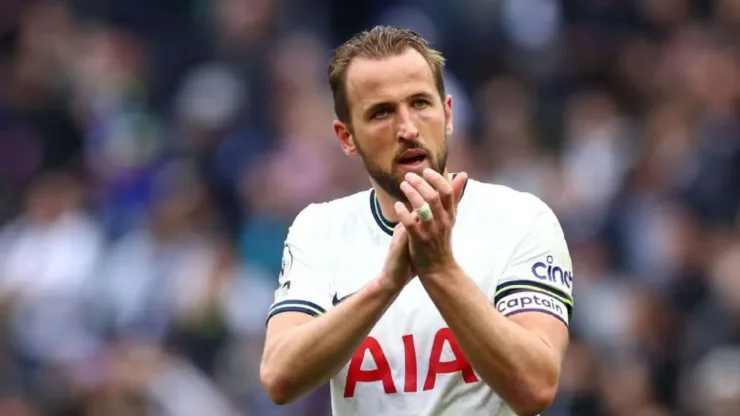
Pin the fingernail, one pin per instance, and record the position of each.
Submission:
(405, 185)
(428, 171)
(411, 176)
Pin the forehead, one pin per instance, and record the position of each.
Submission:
(370, 80)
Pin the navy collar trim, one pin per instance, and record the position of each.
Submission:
(386, 225)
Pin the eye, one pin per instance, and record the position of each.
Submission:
(420, 103)
(382, 113)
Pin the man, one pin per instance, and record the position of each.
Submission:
(379, 293)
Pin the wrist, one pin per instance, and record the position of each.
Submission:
(385, 286)
(442, 271)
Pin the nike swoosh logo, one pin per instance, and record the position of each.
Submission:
(336, 301)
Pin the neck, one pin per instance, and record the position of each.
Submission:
(386, 201)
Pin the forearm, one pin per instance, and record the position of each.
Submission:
(518, 364)
(307, 356)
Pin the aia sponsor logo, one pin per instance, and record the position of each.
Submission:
(383, 374)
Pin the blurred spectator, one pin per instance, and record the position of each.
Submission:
(48, 263)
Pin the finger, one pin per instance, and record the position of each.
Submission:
(442, 186)
(458, 186)
(417, 201)
(409, 220)
(413, 195)
(429, 194)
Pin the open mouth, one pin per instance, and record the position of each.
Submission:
(412, 157)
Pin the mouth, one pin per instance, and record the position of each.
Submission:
(411, 158)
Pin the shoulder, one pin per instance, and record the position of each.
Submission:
(323, 219)
(504, 205)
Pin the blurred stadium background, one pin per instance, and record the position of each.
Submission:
(154, 152)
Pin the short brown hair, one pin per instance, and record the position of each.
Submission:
(377, 43)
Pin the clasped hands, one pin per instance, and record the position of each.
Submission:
(422, 239)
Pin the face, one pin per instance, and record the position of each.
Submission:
(399, 123)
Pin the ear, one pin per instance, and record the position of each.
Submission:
(448, 115)
(344, 135)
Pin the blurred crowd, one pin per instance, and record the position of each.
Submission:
(153, 154)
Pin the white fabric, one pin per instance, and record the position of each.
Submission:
(509, 243)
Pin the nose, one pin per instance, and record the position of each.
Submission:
(407, 130)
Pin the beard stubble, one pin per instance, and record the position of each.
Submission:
(388, 180)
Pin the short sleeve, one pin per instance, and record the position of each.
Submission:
(304, 281)
(539, 274)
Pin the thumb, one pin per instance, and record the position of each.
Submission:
(399, 245)
(458, 184)
(400, 236)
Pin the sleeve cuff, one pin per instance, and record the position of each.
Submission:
(302, 306)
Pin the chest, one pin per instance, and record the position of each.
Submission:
(411, 340)
(359, 260)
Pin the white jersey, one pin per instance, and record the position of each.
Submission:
(509, 243)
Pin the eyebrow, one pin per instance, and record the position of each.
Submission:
(425, 95)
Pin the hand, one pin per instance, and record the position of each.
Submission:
(430, 245)
(397, 270)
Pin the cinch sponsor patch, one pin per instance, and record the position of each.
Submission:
(550, 271)
(532, 302)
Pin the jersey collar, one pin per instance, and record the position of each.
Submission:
(386, 225)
